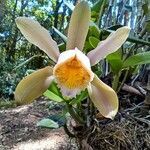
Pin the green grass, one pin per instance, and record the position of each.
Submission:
(5, 103)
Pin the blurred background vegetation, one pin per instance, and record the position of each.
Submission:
(18, 57)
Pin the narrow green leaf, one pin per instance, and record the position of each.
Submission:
(94, 16)
(94, 30)
(48, 123)
(116, 65)
(53, 96)
(145, 8)
(93, 41)
(130, 38)
(26, 61)
(115, 61)
(115, 55)
(147, 25)
(62, 47)
(29, 71)
(59, 118)
(87, 47)
(138, 41)
(97, 6)
(53, 88)
(114, 27)
(79, 98)
(138, 59)
(64, 38)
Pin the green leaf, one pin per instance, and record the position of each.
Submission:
(53, 87)
(48, 123)
(115, 27)
(60, 34)
(94, 30)
(146, 9)
(93, 41)
(116, 65)
(26, 61)
(130, 38)
(53, 96)
(59, 118)
(79, 98)
(29, 71)
(138, 41)
(87, 47)
(147, 25)
(97, 6)
(138, 59)
(115, 61)
(62, 47)
(94, 16)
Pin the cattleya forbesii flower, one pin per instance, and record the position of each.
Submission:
(72, 71)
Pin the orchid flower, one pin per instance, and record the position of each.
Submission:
(72, 71)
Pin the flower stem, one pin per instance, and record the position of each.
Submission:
(75, 116)
(67, 131)
(123, 81)
(116, 81)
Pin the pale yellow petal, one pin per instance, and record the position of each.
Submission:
(33, 85)
(113, 42)
(38, 35)
(78, 27)
(104, 98)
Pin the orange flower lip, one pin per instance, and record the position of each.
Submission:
(72, 73)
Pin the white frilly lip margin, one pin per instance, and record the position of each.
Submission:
(39, 36)
(103, 97)
(113, 42)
